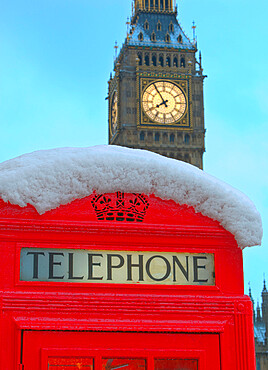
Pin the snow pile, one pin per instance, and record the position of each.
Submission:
(47, 179)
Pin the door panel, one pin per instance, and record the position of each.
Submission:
(123, 363)
(175, 364)
(109, 351)
(70, 363)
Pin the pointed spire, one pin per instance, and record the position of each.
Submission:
(249, 291)
(176, 7)
(115, 50)
(133, 7)
(264, 285)
(194, 28)
(258, 318)
(200, 62)
(128, 25)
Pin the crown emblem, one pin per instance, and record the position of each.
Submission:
(120, 207)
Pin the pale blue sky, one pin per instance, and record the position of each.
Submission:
(56, 57)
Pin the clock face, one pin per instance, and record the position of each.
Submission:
(164, 102)
(114, 112)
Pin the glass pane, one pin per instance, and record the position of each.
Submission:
(58, 363)
(175, 364)
(123, 363)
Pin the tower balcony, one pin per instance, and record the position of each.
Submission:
(155, 6)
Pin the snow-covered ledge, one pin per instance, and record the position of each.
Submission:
(50, 178)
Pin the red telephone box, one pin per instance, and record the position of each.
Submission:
(121, 280)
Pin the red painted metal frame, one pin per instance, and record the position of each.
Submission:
(223, 310)
(149, 346)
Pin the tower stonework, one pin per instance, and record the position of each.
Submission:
(156, 91)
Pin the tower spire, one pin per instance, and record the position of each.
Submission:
(249, 291)
(258, 316)
(128, 25)
(115, 50)
(264, 284)
(194, 32)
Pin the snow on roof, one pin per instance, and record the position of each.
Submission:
(50, 178)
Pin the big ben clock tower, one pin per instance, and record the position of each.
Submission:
(156, 91)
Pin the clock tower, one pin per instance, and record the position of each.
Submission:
(156, 90)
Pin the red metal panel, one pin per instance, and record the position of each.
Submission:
(57, 363)
(123, 363)
(175, 364)
(163, 212)
(64, 307)
(133, 349)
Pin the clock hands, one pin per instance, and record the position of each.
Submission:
(163, 101)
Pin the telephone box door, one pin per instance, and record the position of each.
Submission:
(109, 351)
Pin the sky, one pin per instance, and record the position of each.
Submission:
(55, 60)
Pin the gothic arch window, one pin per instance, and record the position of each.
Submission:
(156, 137)
(140, 37)
(146, 25)
(147, 60)
(154, 60)
(187, 139)
(153, 37)
(168, 61)
(142, 136)
(172, 138)
(171, 27)
(159, 26)
(180, 39)
(182, 63)
(175, 62)
(167, 38)
(140, 59)
(161, 60)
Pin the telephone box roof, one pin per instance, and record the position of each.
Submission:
(50, 178)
